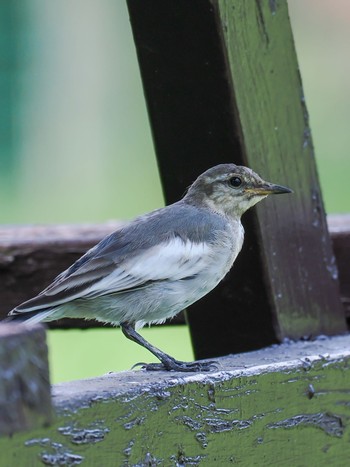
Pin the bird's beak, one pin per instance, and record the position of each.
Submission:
(268, 189)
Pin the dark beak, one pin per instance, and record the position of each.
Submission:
(269, 189)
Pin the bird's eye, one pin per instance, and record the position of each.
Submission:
(235, 182)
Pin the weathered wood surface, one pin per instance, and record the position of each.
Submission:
(31, 256)
(25, 395)
(286, 405)
(222, 84)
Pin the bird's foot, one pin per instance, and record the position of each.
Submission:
(176, 365)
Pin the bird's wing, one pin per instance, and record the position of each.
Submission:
(97, 273)
(171, 243)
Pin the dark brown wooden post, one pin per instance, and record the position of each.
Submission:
(222, 84)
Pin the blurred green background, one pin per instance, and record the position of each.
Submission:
(75, 144)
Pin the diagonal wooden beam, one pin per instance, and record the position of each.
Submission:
(222, 84)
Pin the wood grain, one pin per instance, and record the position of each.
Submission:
(276, 138)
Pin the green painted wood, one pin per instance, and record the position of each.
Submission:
(276, 139)
(286, 405)
(222, 84)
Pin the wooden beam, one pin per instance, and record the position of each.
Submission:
(290, 403)
(31, 256)
(25, 396)
(222, 84)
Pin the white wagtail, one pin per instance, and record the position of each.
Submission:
(158, 264)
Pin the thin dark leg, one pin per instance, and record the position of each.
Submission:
(168, 362)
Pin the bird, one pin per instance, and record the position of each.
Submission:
(159, 263)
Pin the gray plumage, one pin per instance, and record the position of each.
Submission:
(159, 263)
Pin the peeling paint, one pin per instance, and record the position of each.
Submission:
(149, 461)
(84, 435)
(217, 425)
(310, 391)
(55, 453)
(63, 458)
(201, 437)
(135, 422)
(181, 460)
(330, 424)
(127, 450)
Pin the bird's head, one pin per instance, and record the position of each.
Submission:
(230, 189)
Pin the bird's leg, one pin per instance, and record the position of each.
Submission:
(168, 362)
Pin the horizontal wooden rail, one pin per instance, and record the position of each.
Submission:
(288, 403)
(31, 256)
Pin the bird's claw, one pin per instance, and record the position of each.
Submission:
(141, 364)
(175, 365)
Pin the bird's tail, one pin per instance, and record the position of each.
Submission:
(29, 317)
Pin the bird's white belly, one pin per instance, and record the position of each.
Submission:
(174, 296)
(164, 298)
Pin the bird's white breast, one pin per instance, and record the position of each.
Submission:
(166, 278)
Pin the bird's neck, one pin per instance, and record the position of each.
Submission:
(203, 202)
